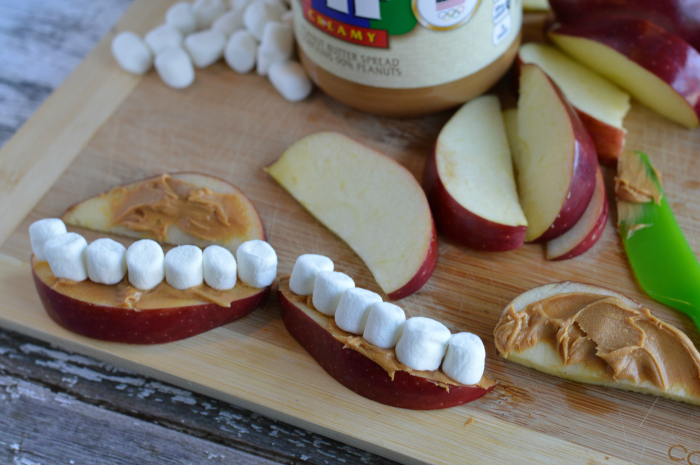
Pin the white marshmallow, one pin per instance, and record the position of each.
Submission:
(205, 47)
(183, 267)
(422, 344)
(257, 263)
(175, 68)
(132, 53)
(181, 15)
(41, 231)
(66, 256)
(206, 12)
(305, 270)
(162, 37)
(353, 309)
(258, 14)
(106, 261)
(328, 288)
(277, 7)
(145, 264)
(290, 80)
(465, 358)
(220, 270)
(288, 17)
(241, 51)
(229, 22)
(240, 4)
(384, 324)
(277, 45)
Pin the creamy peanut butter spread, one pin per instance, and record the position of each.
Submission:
(386, 358)
(632, 183)
(606, 334)
(156, 204)
(124, 295)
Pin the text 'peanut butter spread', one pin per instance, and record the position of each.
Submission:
(156, 204)
(607, 335)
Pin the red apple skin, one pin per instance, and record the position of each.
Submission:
(363, 376)
(424, 272)
(154, 326)
(667, 56)
(462, 226)
(679, 17)
(582, 179)
(609, 141)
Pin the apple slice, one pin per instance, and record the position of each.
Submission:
(679, 17)
(587, 230)
(601, 105)
(657, 68)
(179, 208)
(161, 315)
(370, 201)
(469, 180)
(555, 158)
(404, 388)
(591, 334)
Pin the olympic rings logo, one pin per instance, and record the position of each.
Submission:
(453, 13)
(678, 453)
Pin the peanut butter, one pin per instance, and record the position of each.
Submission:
(607, 335)
(632, 183)
(156, 204)
(124, 295)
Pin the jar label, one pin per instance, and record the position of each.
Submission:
(405, 44)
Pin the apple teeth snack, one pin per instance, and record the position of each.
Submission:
(141, 295)
(372, 349)
(370, 201)
(594, 335)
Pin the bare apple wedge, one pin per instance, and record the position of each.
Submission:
(657, 68)
(121, 313)
(555, 158)
(591, 334)
(587, 230)
(601, 105)
(393, 384)
(469, 180)
(179, 208)
(370, 201)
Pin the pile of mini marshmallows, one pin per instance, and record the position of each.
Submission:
(420, 343)
(252, 34)
(107, 262)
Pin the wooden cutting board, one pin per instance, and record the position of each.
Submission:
(104, 127)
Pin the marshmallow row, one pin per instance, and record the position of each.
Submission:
(420, 343)
(106, 261)
(253, 34)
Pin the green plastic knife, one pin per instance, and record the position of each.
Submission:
(663, 262)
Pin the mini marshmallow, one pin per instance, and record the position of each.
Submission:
(219, 267)
(465, 358)
(277, 45)
(277, 7)
(422, 344)
(162, 37)
(290, 80)
(207, 11)
(353, 309)
(229, 22)
(145, 264)
(240, 4)
(132, 53)
(241, 51)
(183, 267)
(288, 17)
(106, 261)
(257, 263)
(257, 15)
(175, 68)
(66, 256)
(305, 270)
(328, 288)
(41, 231)
(205, 47)
(181, 15)
(384, 325)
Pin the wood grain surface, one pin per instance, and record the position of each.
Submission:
(231, 126)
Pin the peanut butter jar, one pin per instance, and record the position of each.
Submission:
(406, 57)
